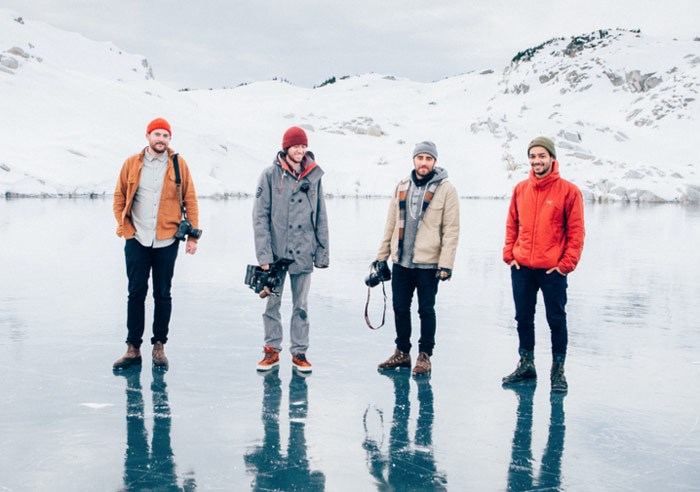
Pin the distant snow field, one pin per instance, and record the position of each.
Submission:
(621, 106)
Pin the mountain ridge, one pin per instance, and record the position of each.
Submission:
(622, 108)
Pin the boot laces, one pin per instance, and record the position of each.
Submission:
(397, 357)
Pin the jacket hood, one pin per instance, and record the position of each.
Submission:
(308, 164)
(440, 174)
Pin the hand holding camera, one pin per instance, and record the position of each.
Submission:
(380, 272)
(266, 280)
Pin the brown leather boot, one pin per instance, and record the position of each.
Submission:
(132, 357)
(423, 364)
(397, 359)
(159, 358)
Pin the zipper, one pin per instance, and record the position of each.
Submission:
(534, 229)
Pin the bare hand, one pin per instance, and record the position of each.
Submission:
(555, 268)
(265, 266)
(190, 247)
(515, 264)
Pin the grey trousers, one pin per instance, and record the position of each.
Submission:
(299, 325)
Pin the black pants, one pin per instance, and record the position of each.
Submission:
(403, 282)
(140, 261)
(526, 283)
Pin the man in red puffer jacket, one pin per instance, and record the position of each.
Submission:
(544, 240)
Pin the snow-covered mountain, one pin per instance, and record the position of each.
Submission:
(621, 106)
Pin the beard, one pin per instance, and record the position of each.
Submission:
(545, 169)
(158, 147)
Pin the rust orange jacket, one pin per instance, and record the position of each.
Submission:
(169, 213)
(545, 223)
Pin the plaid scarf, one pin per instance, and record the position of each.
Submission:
(402, 194)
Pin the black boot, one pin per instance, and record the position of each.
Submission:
(525, 370)
(559, 383)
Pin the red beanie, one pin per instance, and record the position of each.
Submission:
(294, 136)
(158, 124)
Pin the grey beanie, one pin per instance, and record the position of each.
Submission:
(425, 147)
(545, 142)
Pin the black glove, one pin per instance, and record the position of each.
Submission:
(444, 274)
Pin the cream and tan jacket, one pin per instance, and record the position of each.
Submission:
(169, 213)
(438, 232)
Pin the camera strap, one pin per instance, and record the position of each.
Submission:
(369, 323)
(178, 182)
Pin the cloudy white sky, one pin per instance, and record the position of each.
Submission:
(217, 43)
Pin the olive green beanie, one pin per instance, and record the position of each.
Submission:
(543, 142)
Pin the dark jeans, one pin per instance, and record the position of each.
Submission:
(526, 282)
(140, 261)
(403, 282)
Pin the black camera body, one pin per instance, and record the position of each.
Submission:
(380, 273)
(266, 282)
(185, 229)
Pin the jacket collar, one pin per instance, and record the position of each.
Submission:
(547, 180)
(143, 153)
(307, 165)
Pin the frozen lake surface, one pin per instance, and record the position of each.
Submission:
(631, 419)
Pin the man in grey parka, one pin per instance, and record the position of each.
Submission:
(290, 222)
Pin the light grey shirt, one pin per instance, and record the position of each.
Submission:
(414, 215)
(144, 211)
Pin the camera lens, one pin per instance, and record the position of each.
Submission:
(372, 280)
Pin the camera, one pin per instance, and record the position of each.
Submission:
(380, 273)
(185, 229)
(266, 282)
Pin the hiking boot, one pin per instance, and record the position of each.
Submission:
(300, 362)
(398, 359)
(132, 357)
(423, 364)
(559, 383)
(525, 370)
(270, 359)
(158, 354)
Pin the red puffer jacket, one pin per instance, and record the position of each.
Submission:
(545, 223)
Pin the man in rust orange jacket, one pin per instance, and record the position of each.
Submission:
(147, 206)
(544, 240)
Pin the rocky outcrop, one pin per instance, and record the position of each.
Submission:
(362, 125)
(639, 82)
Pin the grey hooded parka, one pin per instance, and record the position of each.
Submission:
(285, 216)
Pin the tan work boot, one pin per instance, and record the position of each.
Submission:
(423, 364)
(398, 359)
(159, 357)
(132, 357)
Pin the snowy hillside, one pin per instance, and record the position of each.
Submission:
(622, 107)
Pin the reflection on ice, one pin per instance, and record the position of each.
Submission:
(405, 462)
(149, 468)
(521, 475)
(271, 467)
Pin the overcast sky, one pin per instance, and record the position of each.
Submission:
(217, 43)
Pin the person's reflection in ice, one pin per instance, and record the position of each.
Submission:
(406, 465)
(273, 470)
(152, 469)
(520, 471)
